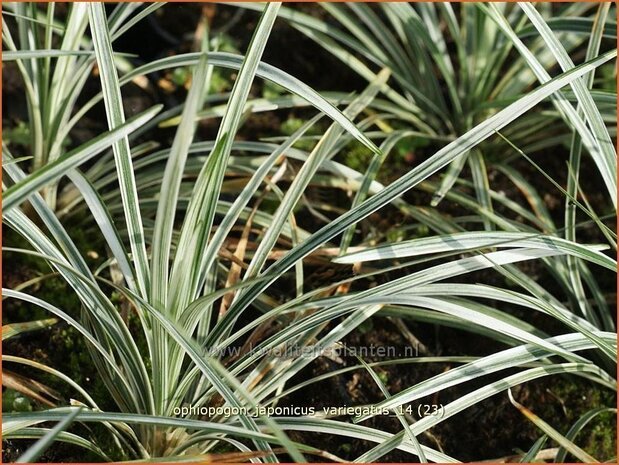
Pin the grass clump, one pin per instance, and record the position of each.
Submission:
(213, 272)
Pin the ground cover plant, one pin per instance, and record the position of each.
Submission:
(212, 252)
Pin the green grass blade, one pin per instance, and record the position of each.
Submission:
(479, 239)
(106, 224)
(62, 436)
(232, 61)
(531, 454)
(578, 426)
(475, 397)
(122, 152)
(184, 279)
(170, 185)
(419, 173)
(502, 360)
(551, 432)
(596, 139)
(383, 388)
(573, 25)
(37, 449)
(14, 329)
(17, 193)
(574, 165)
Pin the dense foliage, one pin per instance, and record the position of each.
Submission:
(469, 185)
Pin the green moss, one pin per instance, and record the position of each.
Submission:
(270, 90)
(346, 447)
(396, 235)
(66, 349)
(365, 326)
(221, 81)
(598, 438)
(19, 135)
(357, 156)
(13, 401)
(26, 267)
(180, 75)
(384, 377)
(293, 124)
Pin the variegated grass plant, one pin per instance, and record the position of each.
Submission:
(167, 232)
(454, 65)
(55, 60)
